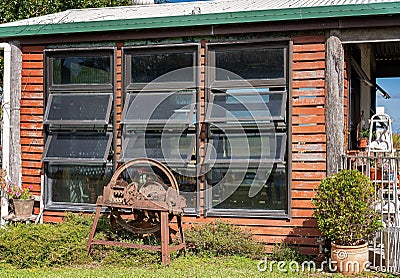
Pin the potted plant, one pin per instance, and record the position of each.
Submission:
(345, 214)
(22, 198)
(375, 170)
(363, 137)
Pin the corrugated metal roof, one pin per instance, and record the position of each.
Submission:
(194, 14)
(179, 9)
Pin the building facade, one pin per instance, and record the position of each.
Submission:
(250, 107)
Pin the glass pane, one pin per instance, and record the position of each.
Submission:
(77, 183)
(248, 104)
(78, 108)
(160, 146)
(160, 107)
(91, 147)
(147, 67)
(82, 70)
(247, 146)
(231, 187)
(187, 180)
(252, 63)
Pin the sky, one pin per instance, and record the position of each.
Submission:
(177, 1)
(392, 105)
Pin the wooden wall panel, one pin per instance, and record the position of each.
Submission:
(308, 141)
(118, 96)
(346, 101)
(308, 128)
(31, 117)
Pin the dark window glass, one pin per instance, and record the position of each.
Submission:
(147, 67)
(78, 108)
(162, 146)
(77, 183)
(81, 70)
(247, 146)
(160, 107)
(78, 147)
(231, 187)
(252, 63)
(247, 104)
(187, 180)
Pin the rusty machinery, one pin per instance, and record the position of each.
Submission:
(147, 192)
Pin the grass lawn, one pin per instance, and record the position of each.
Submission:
(189, 266)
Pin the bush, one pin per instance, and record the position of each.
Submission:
(345, 208)
(26, 246)
(223, 239)
(120, 256)
(287, 252)
(64, 244)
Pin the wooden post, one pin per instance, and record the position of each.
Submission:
(334, 103)
(15, 171)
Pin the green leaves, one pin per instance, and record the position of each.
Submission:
(223, 239)
(344, 207)
(12, 10)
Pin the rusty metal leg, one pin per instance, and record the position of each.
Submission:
(93, 230)
(179, 220)
(164, 238)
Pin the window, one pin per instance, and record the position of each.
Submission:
(75, 185)
(89, 147)
(247, 104)
(255, 64)
(175, 107)
(164, 146)
(231, 187)
(85, 69)
(159, 114)
(78, 153)
(169, 67)
(246, 154)
(249, 146)
(78, 108)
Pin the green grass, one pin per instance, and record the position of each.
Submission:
(189, 266)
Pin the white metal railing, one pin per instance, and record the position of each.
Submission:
(384, 173)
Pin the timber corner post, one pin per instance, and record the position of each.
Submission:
(334, 102)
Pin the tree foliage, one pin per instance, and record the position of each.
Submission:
(12, 10)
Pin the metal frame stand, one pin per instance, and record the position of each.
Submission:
(165, 248)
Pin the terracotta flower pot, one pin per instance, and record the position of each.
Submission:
(375, 174)
(23, 208)
(362, 143)
(350, 260)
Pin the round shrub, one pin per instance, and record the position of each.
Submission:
(223, 239)
(345, 208)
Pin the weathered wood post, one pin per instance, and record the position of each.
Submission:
(334, 113)
(15, 171)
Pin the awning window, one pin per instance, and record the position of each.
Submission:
(246, 147)
(81, 147)
(160, 108)
(247, 104)
(163, 146)
(78, 109)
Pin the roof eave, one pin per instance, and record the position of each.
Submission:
(204, 19)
